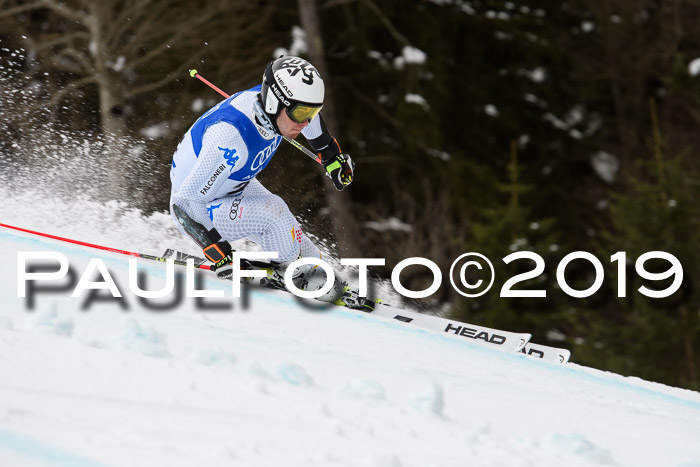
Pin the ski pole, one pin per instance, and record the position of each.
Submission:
(100, 247)
(299, 146)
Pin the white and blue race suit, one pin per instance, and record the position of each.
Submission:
(213, 178)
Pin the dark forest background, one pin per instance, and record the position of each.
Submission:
(487, 126)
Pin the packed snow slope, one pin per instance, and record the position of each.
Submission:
(273, 383)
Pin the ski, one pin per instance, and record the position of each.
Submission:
(183, 257)
(546, 353)
(505, 340)
(508, 341)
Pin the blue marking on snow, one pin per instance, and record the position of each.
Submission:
(84, 252)
(466, 347)
(606, 379)
(49, 244)
(293, 374)
(40, 451)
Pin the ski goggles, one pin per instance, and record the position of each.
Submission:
(301, 113)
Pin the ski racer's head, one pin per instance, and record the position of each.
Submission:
(291, 84)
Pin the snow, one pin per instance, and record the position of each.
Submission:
(523, 140)
(417, 99)
(555, 121)
(694, 67)
(491, 110)
(156, 131)
(271, 382)
(497, 15)
(411, 56)
(587, 26)
(466, 7)
(119, 64)
(537, 75)
(605, 165)
(299, 45)
(198, 105)
(573, 117)
(438, 153)
(390, 224)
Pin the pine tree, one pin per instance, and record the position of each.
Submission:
(654, 338)
(503, 227)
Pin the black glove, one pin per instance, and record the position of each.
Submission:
(218, 253)
(340, 169)
(224, 268)
(215, 252)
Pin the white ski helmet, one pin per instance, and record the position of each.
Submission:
(294, 84)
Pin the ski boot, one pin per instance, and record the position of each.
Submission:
(306, 277)
(274, 279)
(312, 278)
(351, 299)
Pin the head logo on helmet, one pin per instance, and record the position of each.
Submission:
(294, 84)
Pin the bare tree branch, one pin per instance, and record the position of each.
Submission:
(61, 40)
(178, 72)
(69, 13)
(376, 107)
(85, 64)
(400, 38)
(163, 47)
(146, 27)
(20, 9)
(56, 98)
(124, 21)
(335, 3)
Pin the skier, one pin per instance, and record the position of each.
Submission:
(215, 196)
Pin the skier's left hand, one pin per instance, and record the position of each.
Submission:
(224, 268)
(340, 169)
(219, 253)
